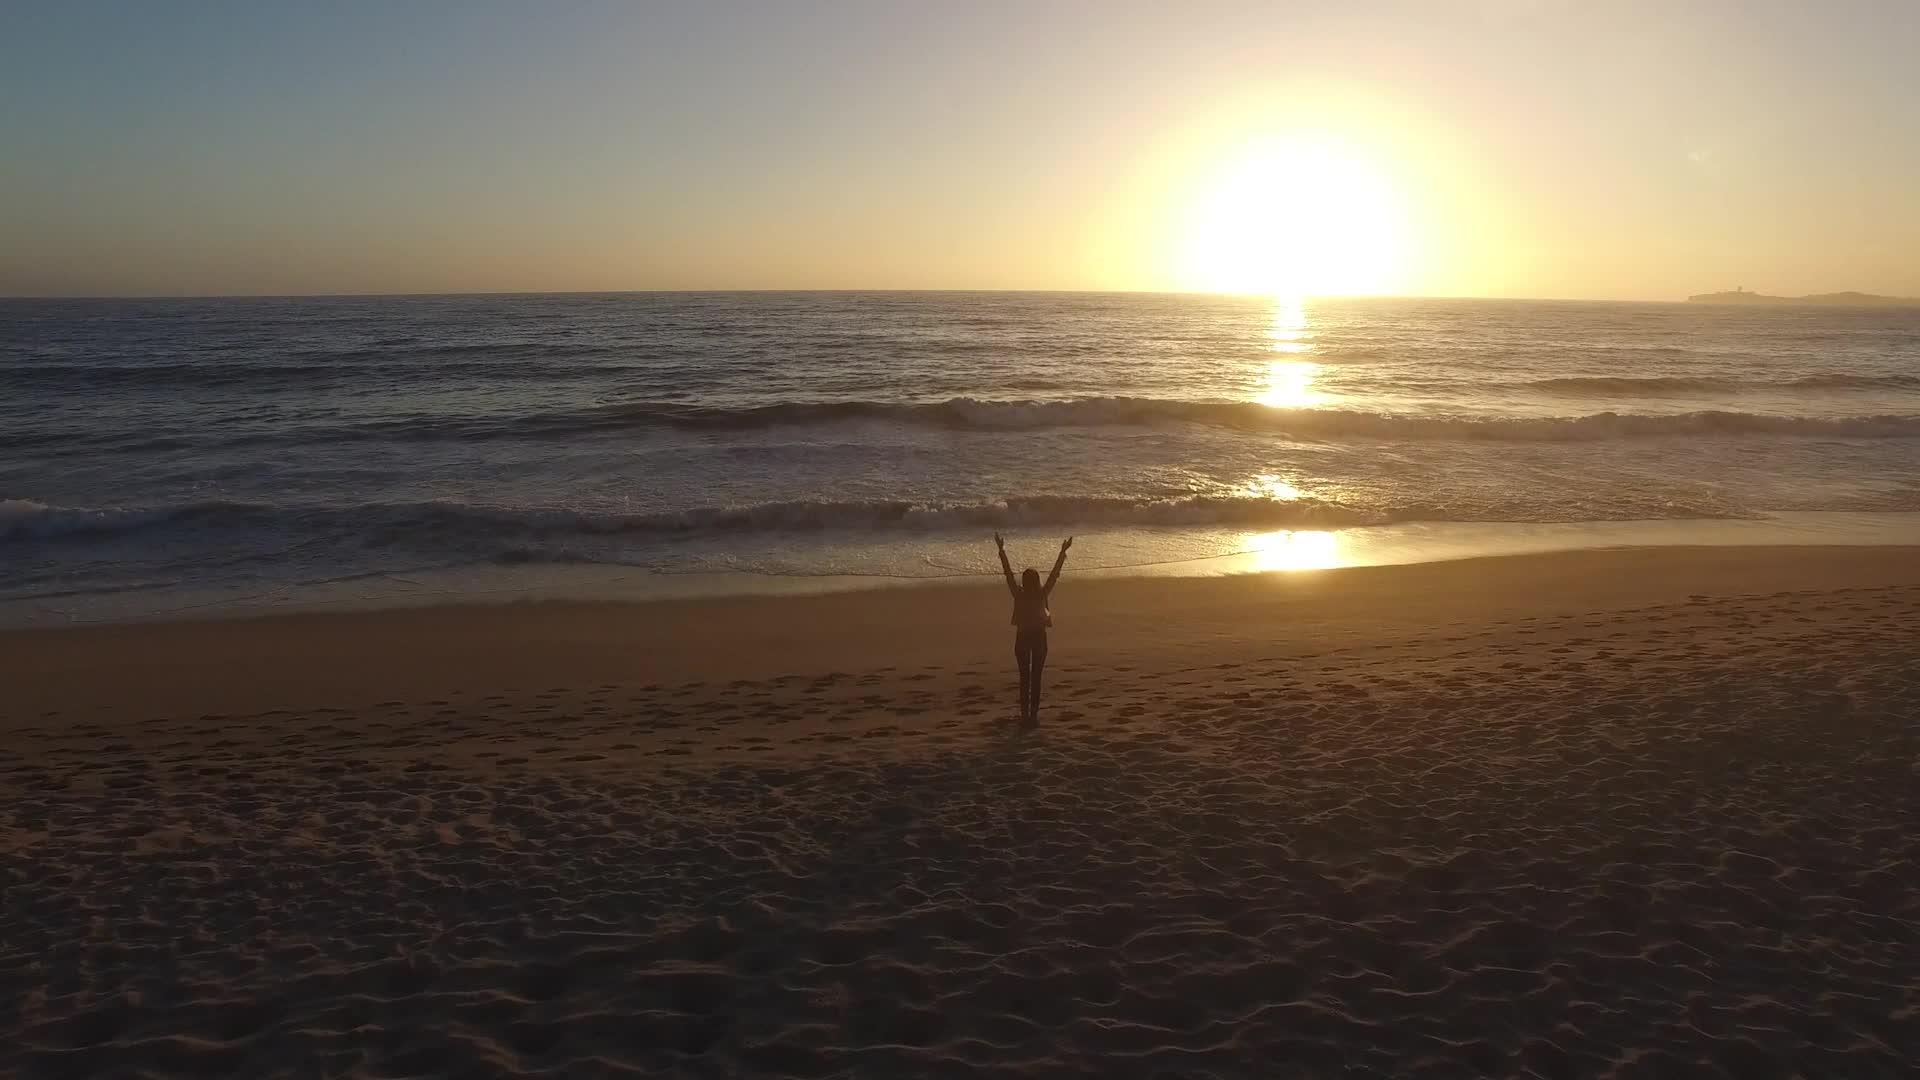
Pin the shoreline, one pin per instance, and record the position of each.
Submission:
(918, 561)
(230, 660)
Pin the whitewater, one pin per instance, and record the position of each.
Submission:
(161, 456)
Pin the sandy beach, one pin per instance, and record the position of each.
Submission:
(1608, 813)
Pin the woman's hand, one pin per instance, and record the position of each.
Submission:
(1067, 543)
(999, 542)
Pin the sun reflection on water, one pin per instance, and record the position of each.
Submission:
(1269, 486)
(1295, 549)
(1289, 382)
(1290, 385)
(1289, 332)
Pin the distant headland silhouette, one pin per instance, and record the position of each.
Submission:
(1832, 299)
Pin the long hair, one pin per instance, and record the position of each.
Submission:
(1030, 579)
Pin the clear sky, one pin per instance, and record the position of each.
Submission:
(1494, 147)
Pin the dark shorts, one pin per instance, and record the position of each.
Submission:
(1030, 644)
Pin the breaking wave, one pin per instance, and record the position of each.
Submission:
(1665, 385)
(969, 413)
(976, 415)
(22, 520)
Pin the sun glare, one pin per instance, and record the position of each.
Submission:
(1295, 219)
(1289, 381)
(1269, 486)
(1295, 549)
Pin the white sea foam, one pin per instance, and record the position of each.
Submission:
(1329, 423)
(24, 519)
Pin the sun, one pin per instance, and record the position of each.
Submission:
(1294, 218)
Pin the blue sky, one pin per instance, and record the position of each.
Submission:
(1548, 148)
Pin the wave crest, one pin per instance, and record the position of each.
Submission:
(1656, 386)
(971, 414)
(1301, 423)
(22, 520)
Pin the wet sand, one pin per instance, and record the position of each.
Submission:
(1597, 813)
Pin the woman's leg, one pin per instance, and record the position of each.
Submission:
(1023, 655)
(1039, 663)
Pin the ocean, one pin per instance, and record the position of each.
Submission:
(166, 457)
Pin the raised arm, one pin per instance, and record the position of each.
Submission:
(1058, 564)
(1006, 568)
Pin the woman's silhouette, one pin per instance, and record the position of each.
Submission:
(1030, 619)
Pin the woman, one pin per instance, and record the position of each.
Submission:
(1030, 619)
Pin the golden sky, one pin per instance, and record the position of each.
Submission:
(1499, 147)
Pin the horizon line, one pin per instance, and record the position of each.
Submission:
(9, 297)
